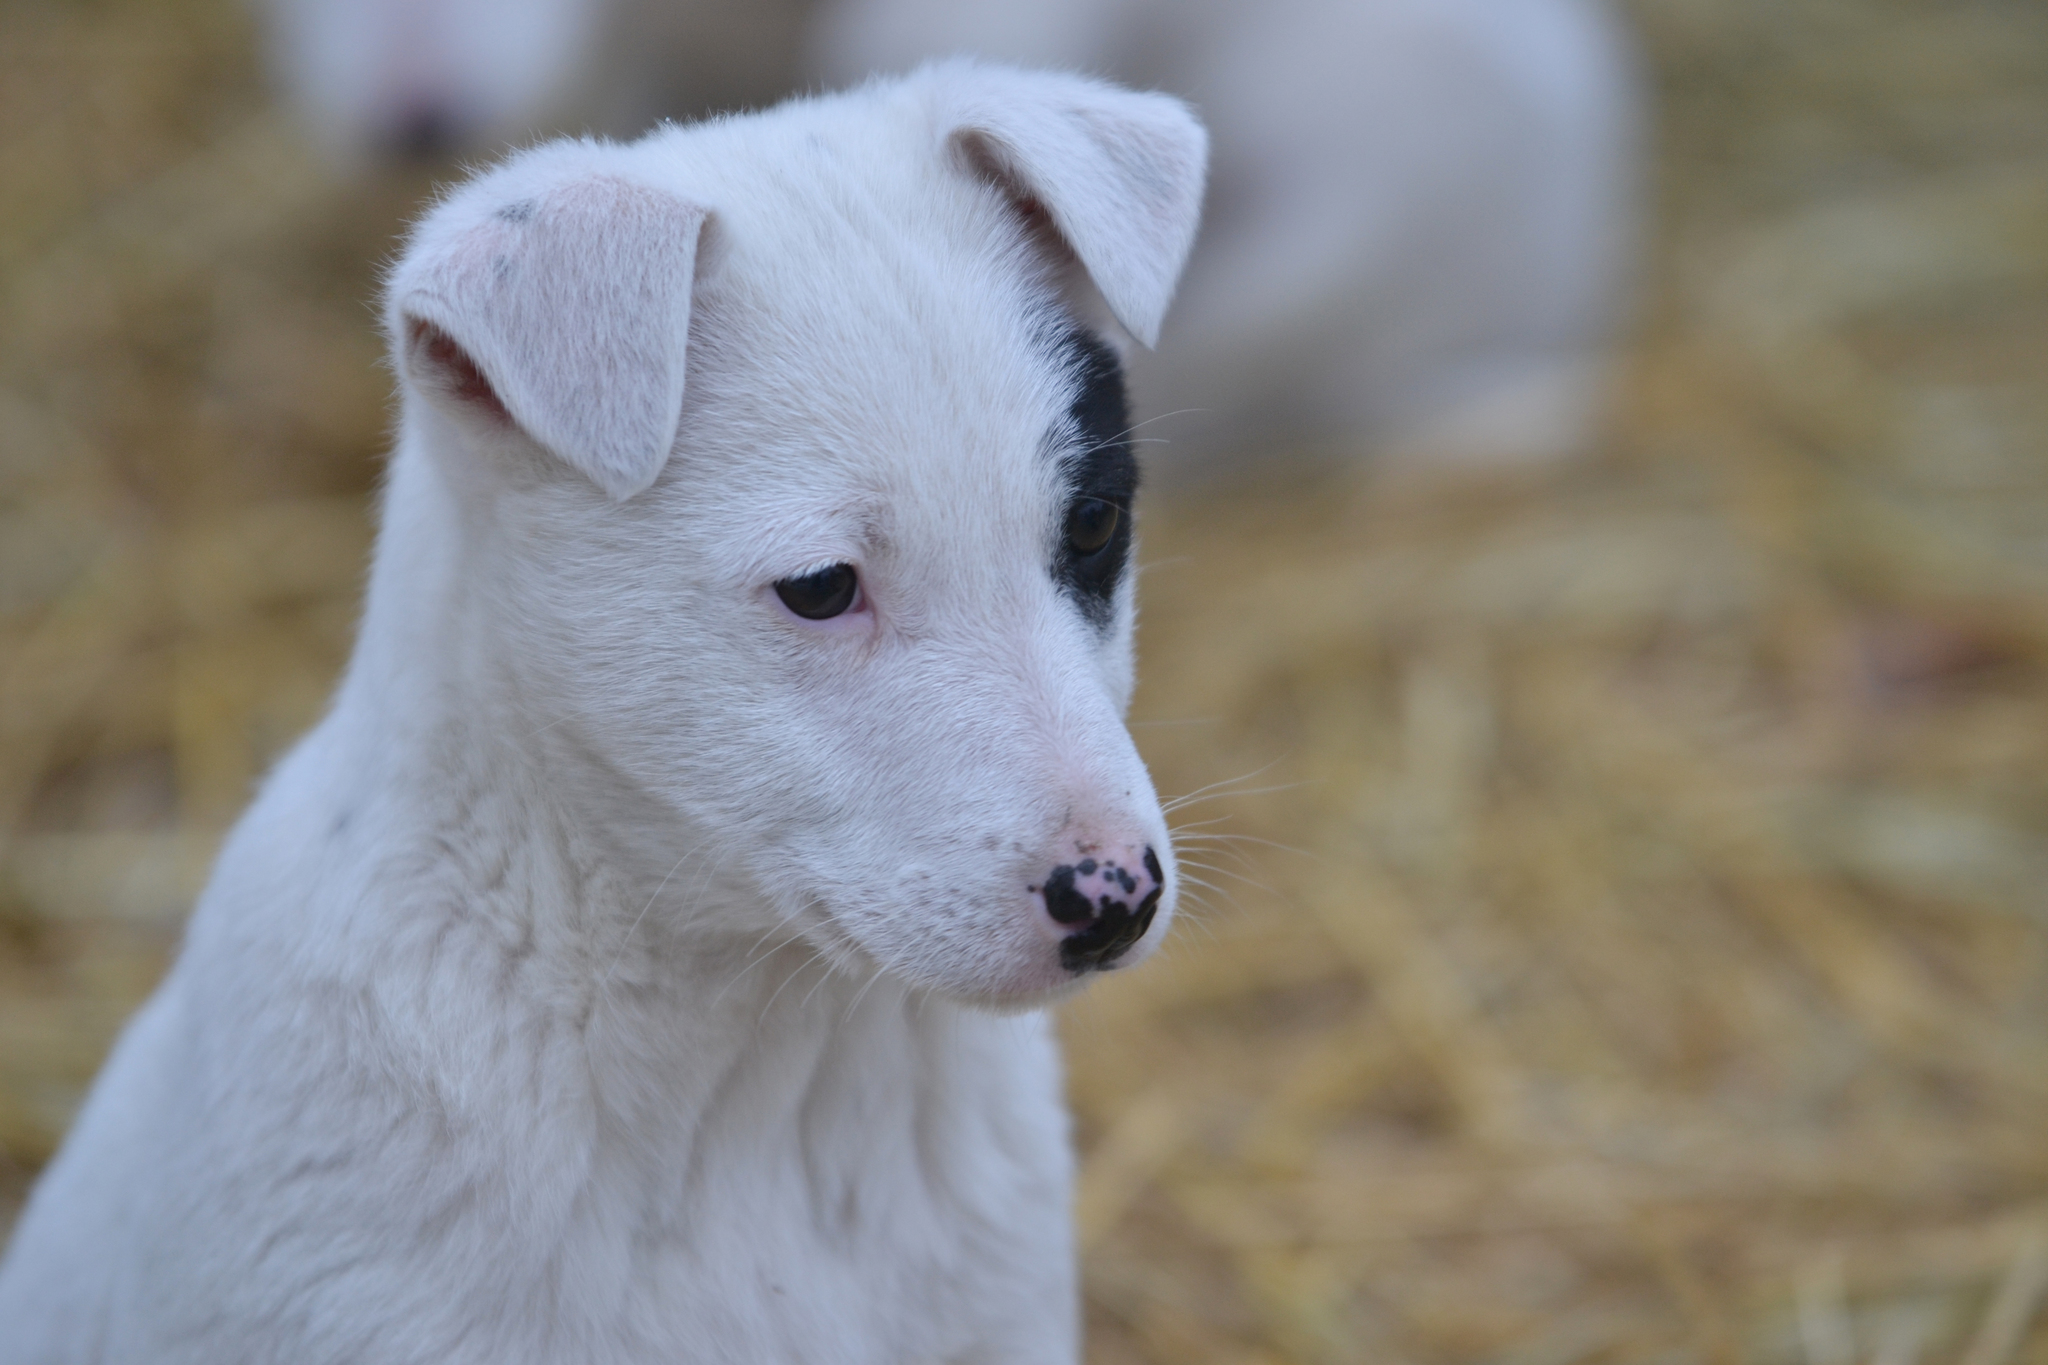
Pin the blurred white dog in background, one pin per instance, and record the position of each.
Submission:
(1420, 212)
(1421, 217)
(377, 79)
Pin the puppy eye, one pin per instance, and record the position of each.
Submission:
(818, 596)
(1090, 524)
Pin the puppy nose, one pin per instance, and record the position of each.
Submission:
(1105, 905)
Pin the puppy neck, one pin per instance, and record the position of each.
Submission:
(448, 728)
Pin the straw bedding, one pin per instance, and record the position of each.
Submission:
(1628, 880)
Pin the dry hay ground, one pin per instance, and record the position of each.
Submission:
(1626, 939)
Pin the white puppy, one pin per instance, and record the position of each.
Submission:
(1420, 212)
(643, 960)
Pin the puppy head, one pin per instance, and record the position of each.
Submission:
(794, 452)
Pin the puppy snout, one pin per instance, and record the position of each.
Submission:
(1103, 905)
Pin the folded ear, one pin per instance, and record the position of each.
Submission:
(1119, 173)
(565, 311)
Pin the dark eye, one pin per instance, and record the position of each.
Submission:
(817, 596)
(1090, 524)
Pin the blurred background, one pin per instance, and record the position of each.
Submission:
(1627, 937)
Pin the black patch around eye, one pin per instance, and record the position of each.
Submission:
(1101, 476)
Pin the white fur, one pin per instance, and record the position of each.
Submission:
(605, 978)
(1421, 212)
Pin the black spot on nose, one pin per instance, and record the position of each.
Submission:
(1065, 904)
(1114, 931)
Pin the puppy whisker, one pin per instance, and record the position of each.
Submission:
(757, 956)
(854, 1004)
(794, 973)
(634, 928)
(1204, 797)
(1228, 787)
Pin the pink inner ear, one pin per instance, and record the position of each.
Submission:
(441, 361)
